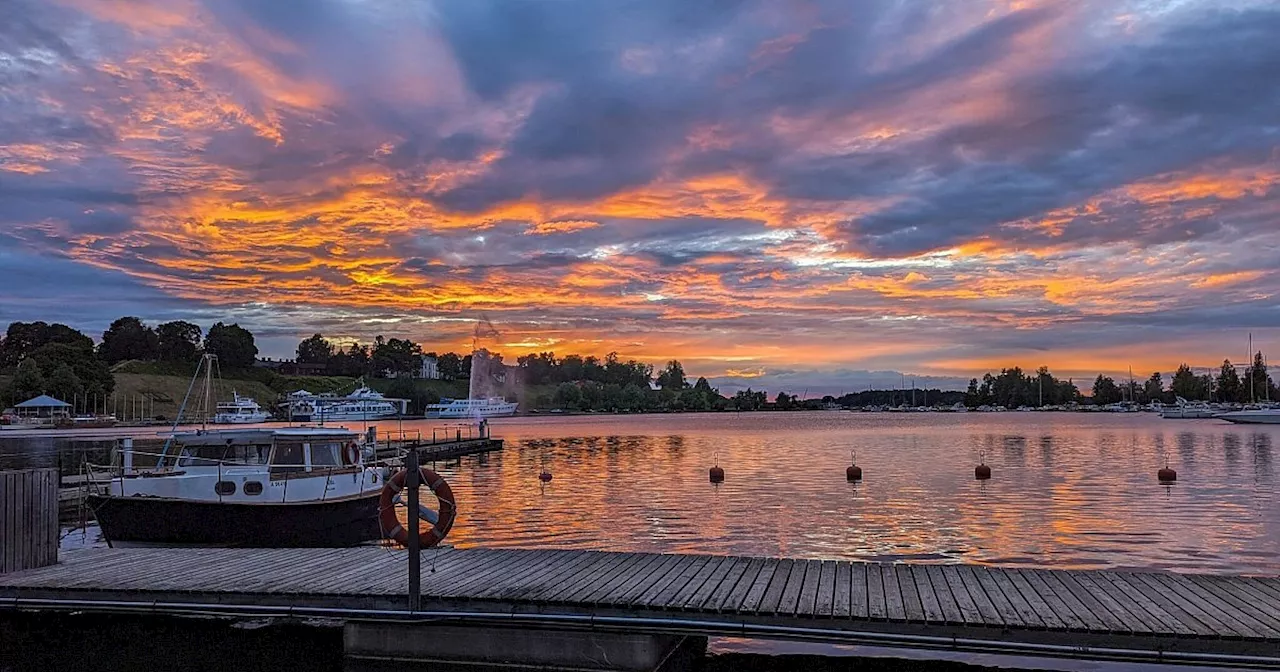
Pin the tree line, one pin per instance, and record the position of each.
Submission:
(63, 362)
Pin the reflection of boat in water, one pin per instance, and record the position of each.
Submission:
(1259, 416)
(362, 404)
(297, 486)
(1188, 410)
(240, 410)
(471, 408)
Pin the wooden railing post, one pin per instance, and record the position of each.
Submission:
(28, 519)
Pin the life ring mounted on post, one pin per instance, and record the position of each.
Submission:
(351, 454)
(440, 521)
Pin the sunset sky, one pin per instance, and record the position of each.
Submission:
(786, 194)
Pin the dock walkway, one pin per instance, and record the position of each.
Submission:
(973, 607)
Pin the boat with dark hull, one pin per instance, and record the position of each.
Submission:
(286, 487)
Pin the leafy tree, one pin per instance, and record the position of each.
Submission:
(784, 401)
(63, 383)
(672, 377)
(1228, 383)
(23, 338)
(568, 396)
(315, 350)
(178, 341)
(749, 400)
(128, 338)
(450, 366)
(1105, 391)
(1186, 384)
(94, 376)
(1153, 389)
(632, 398)
(396, 356)
(27, 381)
(232, 344)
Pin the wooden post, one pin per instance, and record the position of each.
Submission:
(28, 519)
(415, 551)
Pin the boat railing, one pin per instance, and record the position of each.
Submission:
(457, 432)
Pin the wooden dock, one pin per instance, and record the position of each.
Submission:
(1096, 614)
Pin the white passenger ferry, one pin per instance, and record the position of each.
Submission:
(491, 407)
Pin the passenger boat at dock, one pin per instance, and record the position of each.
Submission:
(240, 411)
(286, 487)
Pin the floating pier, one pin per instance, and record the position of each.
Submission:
(1139, 616)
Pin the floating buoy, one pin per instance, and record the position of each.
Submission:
(982, 472)
(853, 472)
(1167, 475)
(545, 476)
(717, 474)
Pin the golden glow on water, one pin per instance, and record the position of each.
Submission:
(1069, 490)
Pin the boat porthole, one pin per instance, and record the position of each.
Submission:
(224, 488)
(252, 488)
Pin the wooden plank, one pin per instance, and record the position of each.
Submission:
(824, 599)
(892, 594)
(773, 594)
(1174, 605)
(1069, 609)
(1168, 623)
(877, 604)
(1131, 615)
(679, 597)
(573, 575)
(503, 562)
(736, 600)
(8, 535)
(790, 600)
(915, 598)
(808, 604)
(1224, 610)
(1052, 619)
(581, 584)
(625, 576)
(859, 600)
(1188, 604)
(981, 601)
(1027, 613)
(1241, 599)
(517, 578)
(911, 601)
(842, 593)
(606, 586)
(1064, 584)
(942, 591)
(1256, 594)
(1266, 586)
(663, 595)
(718, 584)
(969, 612)
(559, 572)
(451, 569)
(634, 589)
(706, 582)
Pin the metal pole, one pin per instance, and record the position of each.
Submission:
(415, 551)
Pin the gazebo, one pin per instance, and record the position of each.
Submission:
(43, 406)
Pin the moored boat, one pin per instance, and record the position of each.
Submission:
(286, 487)
(240, 411)
(491, 407)
(1259, 416)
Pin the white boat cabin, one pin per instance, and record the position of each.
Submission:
(255, 466)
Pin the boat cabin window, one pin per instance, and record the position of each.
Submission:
(201, 456)
(325, 454)
(210, 455)
(288, 457)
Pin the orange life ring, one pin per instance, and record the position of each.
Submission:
(391, 526)
(351, 454)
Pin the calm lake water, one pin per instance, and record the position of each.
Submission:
(1069, 490)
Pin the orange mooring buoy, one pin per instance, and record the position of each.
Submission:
(717, 474)
(853, 472)
(1167, 475)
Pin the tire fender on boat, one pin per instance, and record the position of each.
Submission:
(393, 529)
